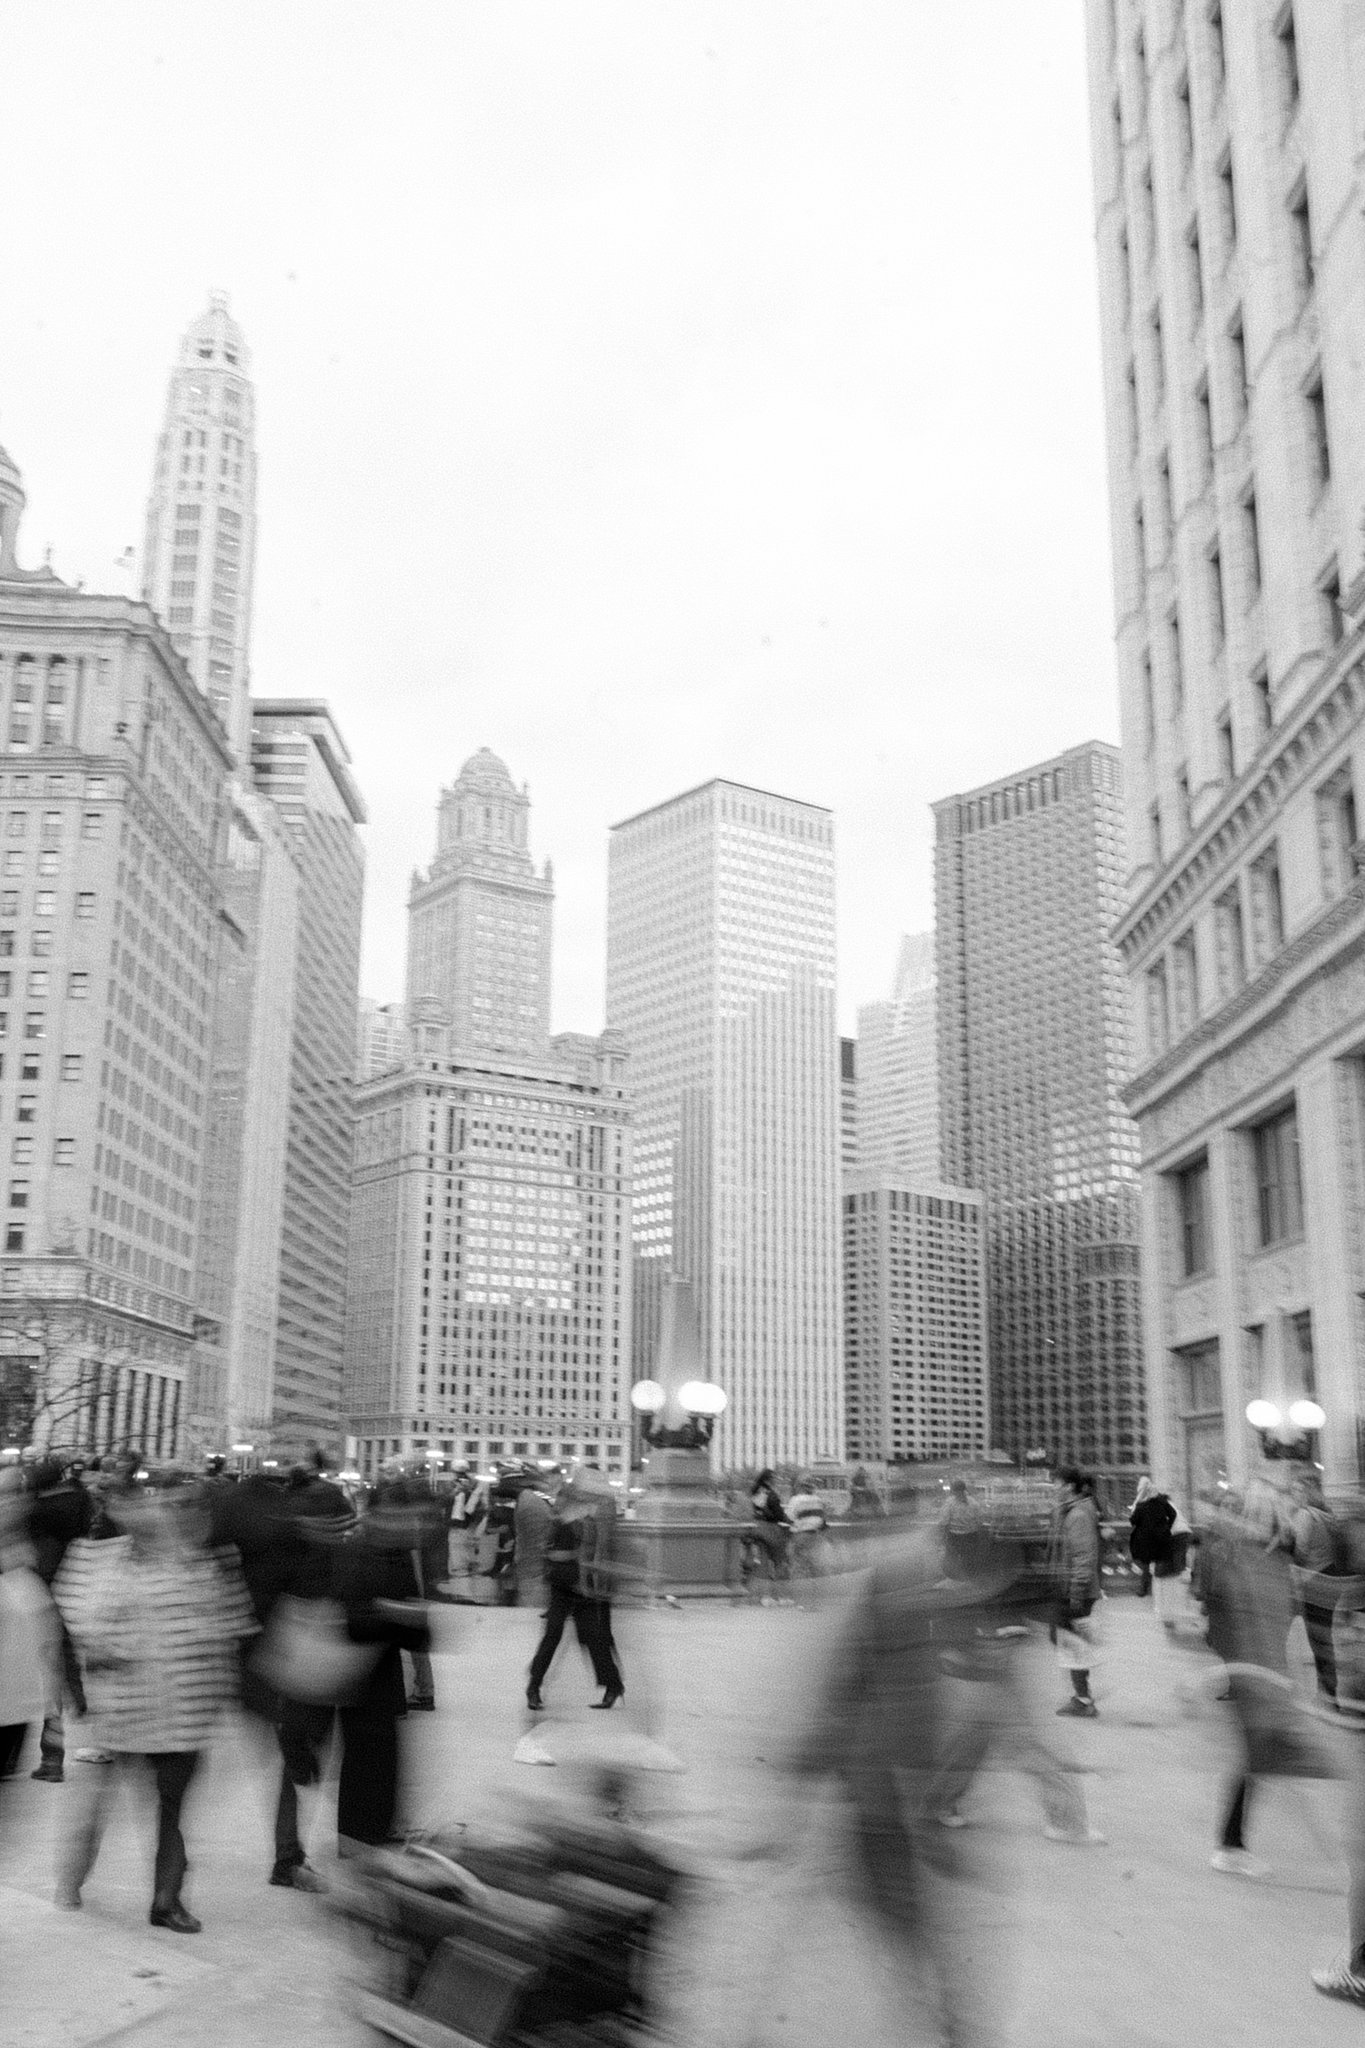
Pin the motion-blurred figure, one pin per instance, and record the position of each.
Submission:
(28, 1626)
(533, 1518)
(376, 1583)
(1078, 1561)
(1150, 1519)
(579, 1571)
(771, 1526)
(60, 1512)
(156, 1617)
(1307, 1534)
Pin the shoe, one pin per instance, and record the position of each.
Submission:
(67, 1899)
(298, 1877)
(48, 1774)
(421, 1706)
(534, 1700)
(175, 1919)
(950, 1818)
(1339, 1980)
(1078, 1838)
(1238, 1863)
(609, 1698)
(1081, 1710)
(92, 1756)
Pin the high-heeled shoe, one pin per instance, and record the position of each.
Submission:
(534, 1700)
(609, 1698)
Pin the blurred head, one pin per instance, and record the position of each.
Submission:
(765, 1478)
(1074, 1483)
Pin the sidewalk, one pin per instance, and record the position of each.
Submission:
(1134, 1945)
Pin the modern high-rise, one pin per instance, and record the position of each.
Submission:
(479, 919)
(489, 1304)
(113, 774)
(896, 1092)
(848, 1105)
(300, 765)
(381, 1038)
(915, 1381)
(199, 550)
(720, 980)
(1033, 1050)
(1229, 189)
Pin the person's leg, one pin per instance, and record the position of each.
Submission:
(1233, 1834)
(1317, 1622)
(11, 1747)
(592, 1621)
(367, 1795)
(302, 1736)
(556, 1615)
(90, 1801)
(423, 1681)
(172, 1771)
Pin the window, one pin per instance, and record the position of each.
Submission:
(37, 981)
(18, 1194)
(1232, 956)
(1184, 805)
(92, 825)
(1194, 274)
(1185, 975)
(40, 944)
(65, 1154)
(1158, 1008)
(1338, 831)
(6, 978)
(26, 1109)
(1288, 48)
(45, 903)
(14, 1237)
(22, 1151)
(1319, 449)
(85, 903)
(1260, 697)
(1218, 62)
(71, 1066)
(1218, 618)
(1237, 360)
(1177, 664)
(1329, 599)
(1158, 358)
(1279, 1188)
(1301, 239)
(1192, 1209)
(1154, 831)
(1148, 704)
(1227, 205)
(78, 987)
(1267, 903)
(1184, 121)
(1167, 503)
(1139, 563)
(1251, 545)
(28, 1069)
(14, 861)
(9, 903)
(1134, 416)
(34, 1024)
(49, 860)
(6, 945)
(1204, 423)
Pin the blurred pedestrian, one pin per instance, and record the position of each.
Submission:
(579, 1564)
(376, 1583)
(533, 1518)
(1151, 1518)
(156, 1616)
(61, 1511)
(28, 1626)
(771, 1526)
(810, 1544)
(1077, 1554)
(1308, 1535)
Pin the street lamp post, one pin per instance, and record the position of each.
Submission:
(1287, 1435)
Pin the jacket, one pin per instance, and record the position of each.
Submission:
(1078, 1555)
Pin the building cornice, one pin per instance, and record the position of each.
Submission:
(1252, 803)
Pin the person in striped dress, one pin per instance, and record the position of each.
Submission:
(157, 1616)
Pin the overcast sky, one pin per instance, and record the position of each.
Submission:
(648, 391)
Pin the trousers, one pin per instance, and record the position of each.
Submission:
(171, 1773)
(592, 1623)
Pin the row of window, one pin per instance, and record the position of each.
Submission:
(1277, 1169)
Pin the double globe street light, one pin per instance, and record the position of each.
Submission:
(1285, 1436)
(702, 1403)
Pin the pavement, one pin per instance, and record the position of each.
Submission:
(1135, 1944)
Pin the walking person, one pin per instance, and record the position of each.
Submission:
(771, 1525)
(60, 1512)
(1077, 1552)
(578, 1573)
(533, 1518)
(156, 1616)
(1150, 1519)
(1308, 1536)
(376, 1583)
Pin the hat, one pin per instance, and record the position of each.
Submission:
(590, 1483)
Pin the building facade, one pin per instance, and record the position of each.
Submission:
(848, 1105)
(114, 776)
(896, 1094)
(720, 980)
(1033, 1050)
(1228, 186)
(199, 549)
(490, 1263)
(300, 766)
(381, 1038)
(479, 919)
(915, 1377)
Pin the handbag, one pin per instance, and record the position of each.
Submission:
(306, 1654)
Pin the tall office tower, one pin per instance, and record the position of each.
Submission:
(720, 979)
(1032, 1053)
(479, 919)
(915, 1383)
(897, 1087)
(489, 1312)
(232, 1389)
(112, 779)
(300, 764)
(198, 555)
(1228, 185)
(848, 1105)
(381, 1038)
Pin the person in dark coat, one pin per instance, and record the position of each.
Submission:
(1150, 1519)
(578, 1569)
(60, 1512)
(376, 1584)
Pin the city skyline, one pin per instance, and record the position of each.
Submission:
(668, 483)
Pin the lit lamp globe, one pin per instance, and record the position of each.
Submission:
(647, 1397)
(1263, 1415)
(702, 1397)
(1306, 1415)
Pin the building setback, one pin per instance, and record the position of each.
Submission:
(381, 1038)
(897, 1086)
(479, 920)
(114, 771)
(720, 980)
(489, 1313)
(1228, 192)
(300, 765)
(1032, 1054)
(915, 1383)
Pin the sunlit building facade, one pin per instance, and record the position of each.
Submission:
(1229, 189)
(720, 981)
(896, 1091)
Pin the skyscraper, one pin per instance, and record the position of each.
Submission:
(112, 780)
(479, 919)
(299, 762)
(199, 550)
(914, 1320)
(896, 1091)
(381, 1038)
(1033, 1051)
(848, 1105)
(1228, 186)
(720, 980)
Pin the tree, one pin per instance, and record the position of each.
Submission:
(50, 1387)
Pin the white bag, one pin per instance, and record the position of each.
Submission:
(307, 1655)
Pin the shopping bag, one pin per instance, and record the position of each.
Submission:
(306, 1654)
